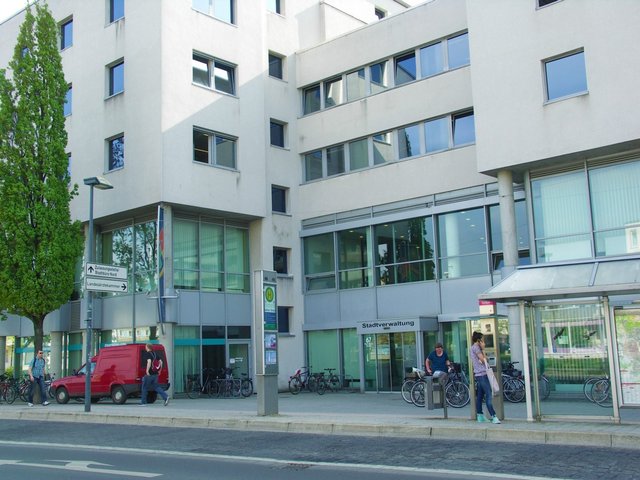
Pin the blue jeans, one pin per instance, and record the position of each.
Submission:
(43, 392)
(483, 389)
(150, 383)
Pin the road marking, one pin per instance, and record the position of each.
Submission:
(473, 473)
(78, 466)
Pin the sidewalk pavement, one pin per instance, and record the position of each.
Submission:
(372, 414)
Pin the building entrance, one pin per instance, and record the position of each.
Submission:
(387, 359)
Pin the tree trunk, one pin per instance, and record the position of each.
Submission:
(38, 334)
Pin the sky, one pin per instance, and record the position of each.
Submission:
(9, 7)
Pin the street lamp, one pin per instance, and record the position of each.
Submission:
(101, 184)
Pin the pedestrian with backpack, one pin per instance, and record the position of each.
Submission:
(37, 371)
(152, 366)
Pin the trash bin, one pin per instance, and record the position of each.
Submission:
(434, 394)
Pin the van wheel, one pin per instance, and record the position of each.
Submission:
(62, 395)
(118, 395)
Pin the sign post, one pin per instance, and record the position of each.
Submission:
(266, 341)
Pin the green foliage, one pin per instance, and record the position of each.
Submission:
(39, 244)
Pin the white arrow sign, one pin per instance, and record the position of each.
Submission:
(81, 466)
(105, 271)
(106, 285)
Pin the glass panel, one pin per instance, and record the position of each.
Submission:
(200, 147)
(615, 206)
(437, 134)
(185, 254)
(462, 242)
(280, 260)
(239, 359)
(273, 6)
(116, 83)
(277, 134)
(146, 257)
(356, 85)
(354, 255)
(200, 68)
(237, 250)
(223, 10)
(211, 256)
(431, 61)
(238, 283)
(333, 92)
(571, 247)
(224, 77)
(566, 76)
(358, 154)
(458, 49)
(225, 152)
(370, 362)
(628, 339)
(200, 5)
(186, 355)
(313, 165)
(66, 35)
(116, 10)
(323, 350)
(116, 153)
(275, 66)
(405, 68)
(335, 160)
(383, 364)
(464, 129)
(378, 73)
(68, 102)
(283, 319)
(522, 226)
(350, 355)
(318, 254)
(311, 99)
(409, 141)
(382, 148)
(570, 348)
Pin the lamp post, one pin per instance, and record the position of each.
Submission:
(101, 184)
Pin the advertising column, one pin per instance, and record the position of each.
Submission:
(266, 341)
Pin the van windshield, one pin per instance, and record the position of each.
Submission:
(83, 370)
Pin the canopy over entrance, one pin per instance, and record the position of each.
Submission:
(591, 278)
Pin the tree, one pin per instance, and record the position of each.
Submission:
(39, 244)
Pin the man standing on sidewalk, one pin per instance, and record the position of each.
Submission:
(152, 366)
(37, 371)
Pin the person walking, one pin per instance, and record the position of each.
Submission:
(37, 371)
(152, 366)
(483, 387)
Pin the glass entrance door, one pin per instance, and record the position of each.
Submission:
(239, 359)
(387, 357)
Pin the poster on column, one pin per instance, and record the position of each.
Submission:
(628, 340)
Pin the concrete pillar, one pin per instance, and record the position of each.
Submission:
(55, 355)
(510, 252)
(167, 341)
(3, 354)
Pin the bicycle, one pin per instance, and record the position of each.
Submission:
(227, 386)
(47, 385)
(302, 378)
(456, 391)
(8, 390)
(193, 387)
(408, 383)
(246, 386)
(598, 390)
(330, 382)
(512, 384)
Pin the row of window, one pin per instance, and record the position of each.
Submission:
(449, 245)
(423, 62)
(430, 136)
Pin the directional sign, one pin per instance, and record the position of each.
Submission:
(105, 271)
(106, 285)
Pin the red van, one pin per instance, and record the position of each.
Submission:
(116, 372)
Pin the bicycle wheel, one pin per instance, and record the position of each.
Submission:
(457, 394)
(513, 390)
(246, 390)
(321, 386)
(312, 383)
(544, 390)
(295, 385)
(588, 386)
(334, 383)
(193, 388)
(10, 394)
(236, 387)
(601, 393)
(405, 390)
(417, 394)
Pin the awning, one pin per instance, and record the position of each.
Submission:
(593, 278)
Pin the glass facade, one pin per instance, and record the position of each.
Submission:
(462, 244)
(354, 258)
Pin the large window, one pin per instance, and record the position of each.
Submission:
(214, 149)
(354, 258)
(214, 73)
(313, 165)
(66, 34)
(116, 78)
(383, 151)
(379, 77)
(464, 130)
(116, 10)
(221, 9)
(210, 256)
(458, 51)
(319, 263)
(135, 248)
(462, 241)
(565, 76)
(356, 85)
(333, 92)
(115, 153)
(404, 251)
(335, 160)
(577, 217)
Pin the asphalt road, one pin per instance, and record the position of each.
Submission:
(196, 453)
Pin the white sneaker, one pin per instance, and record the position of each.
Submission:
(166, 402)
(29, 404)
(45, 403)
